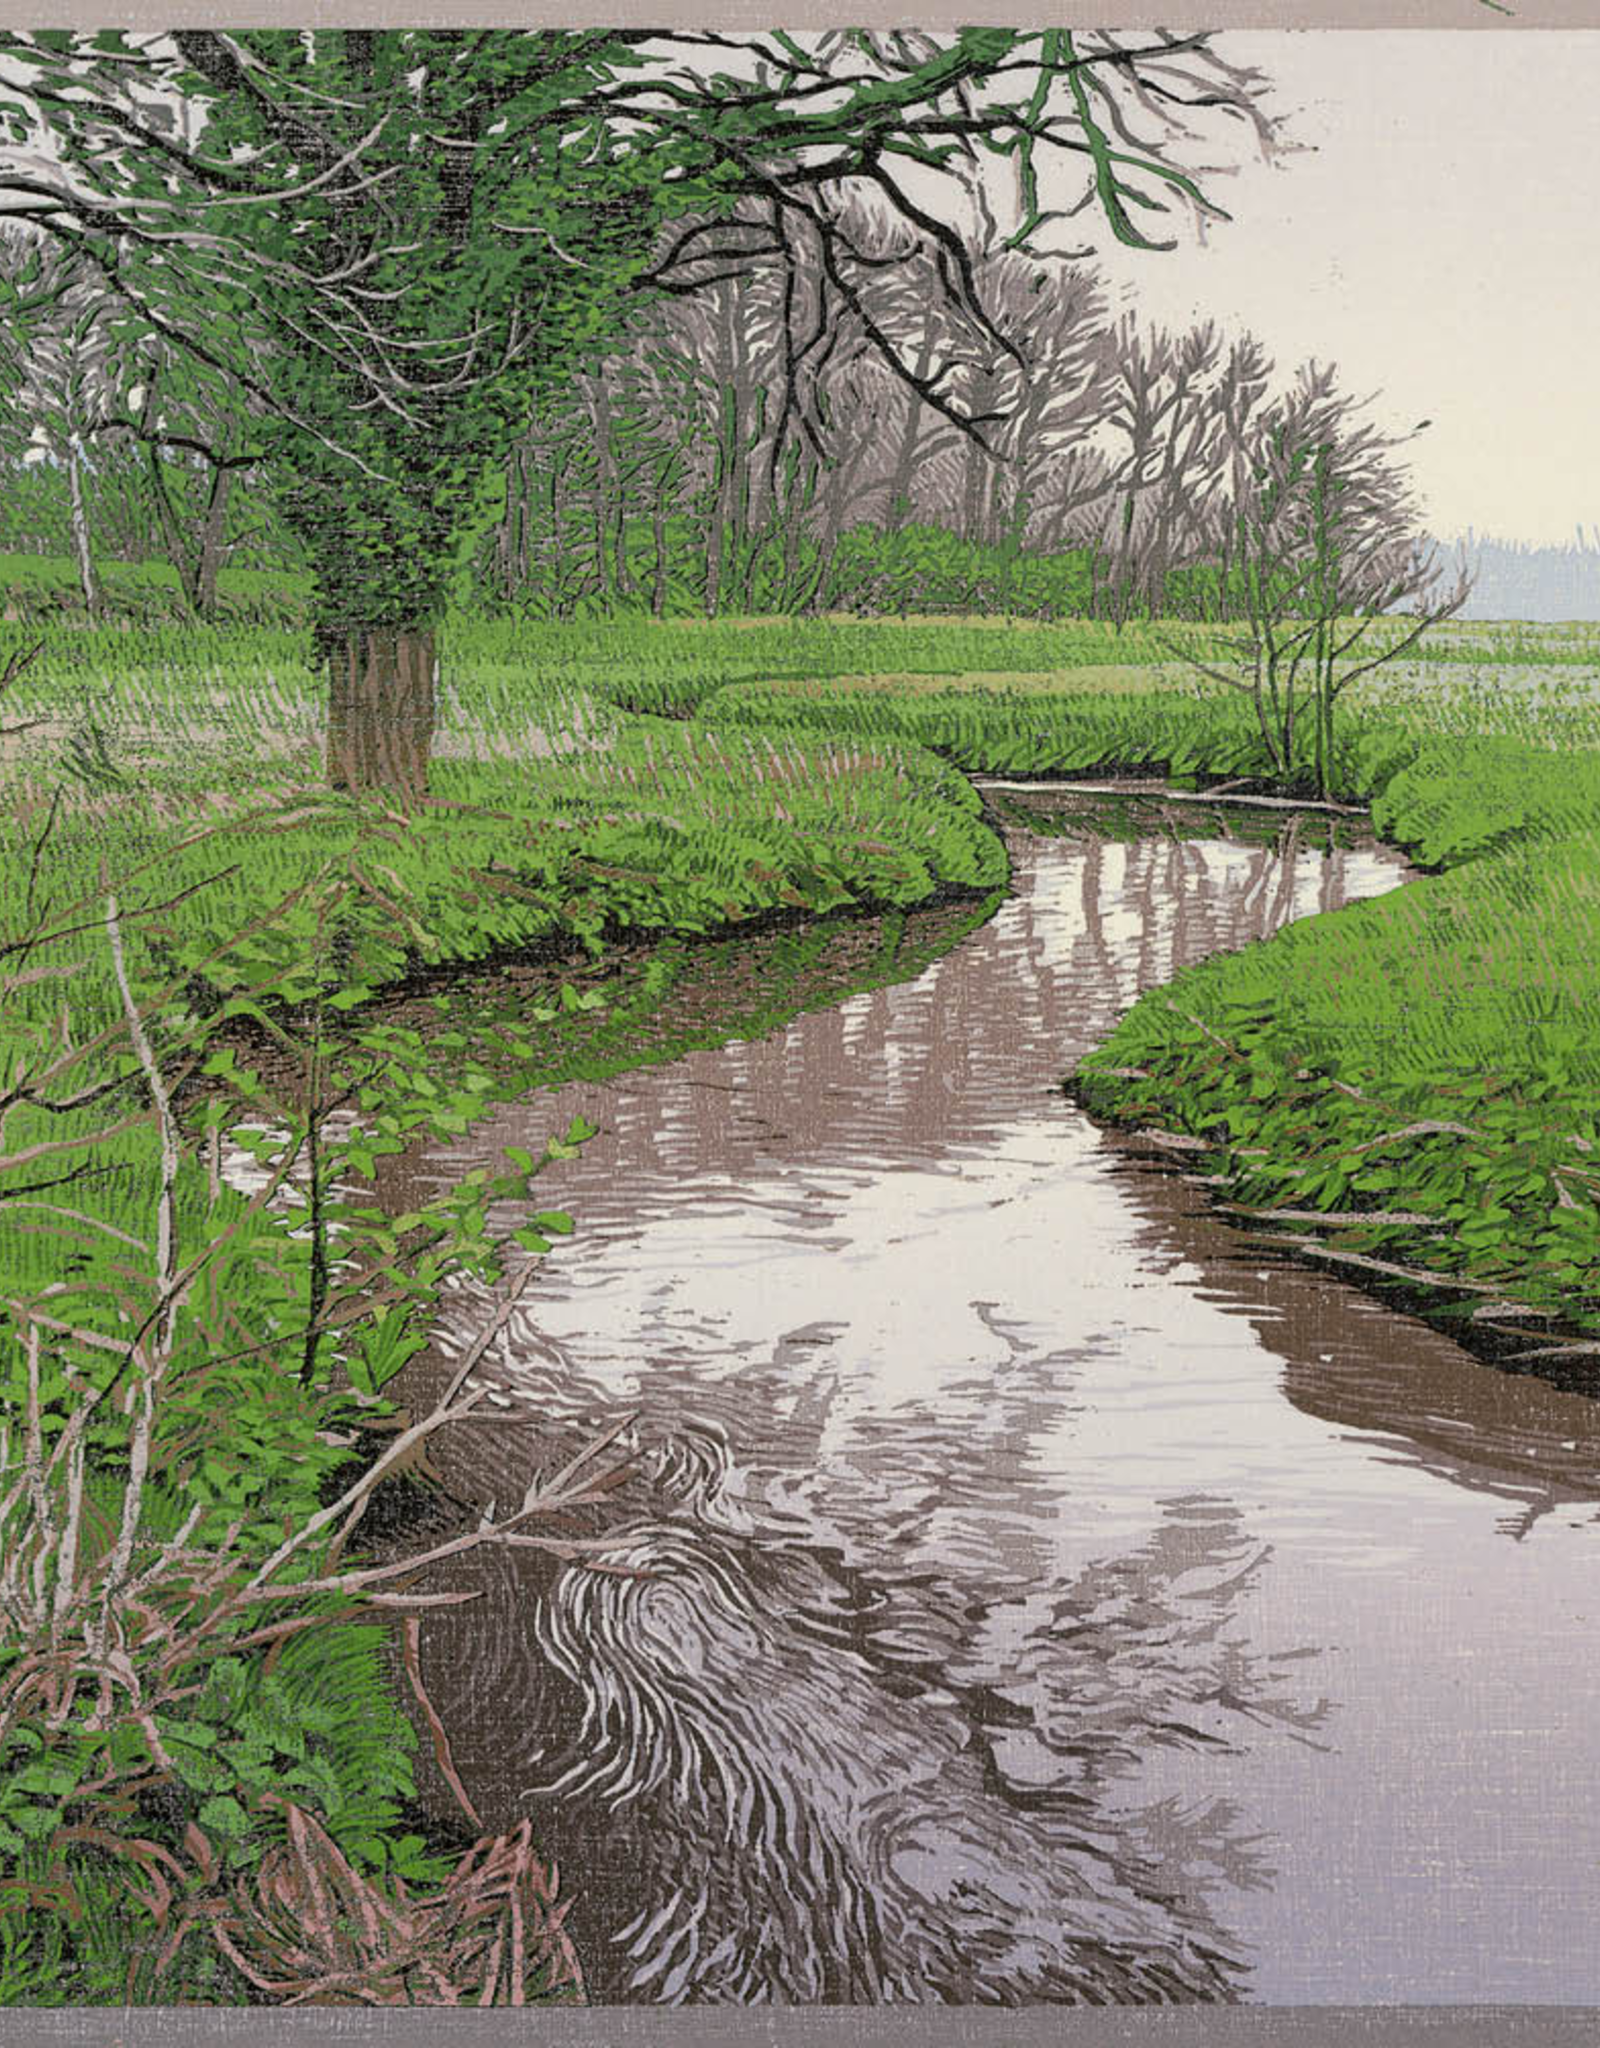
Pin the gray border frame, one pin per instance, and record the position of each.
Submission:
(1242, 2026)
(1439, 2026)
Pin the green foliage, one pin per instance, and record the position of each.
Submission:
(256, 944)
(319, 1725)
(1429, 1054)
(413, 238)
(930, 569)
(1005, 732)
(193, 1375)
(1428, 1058)
(383, 492)
(872, 571)
(1457, 799)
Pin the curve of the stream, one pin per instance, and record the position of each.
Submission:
(1029, 1591)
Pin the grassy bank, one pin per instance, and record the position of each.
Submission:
(191, 760)
(576, 808)
(41, 590)
(639, 839)
(194, 937)
(1421, 1069)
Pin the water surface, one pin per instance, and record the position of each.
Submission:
(1043, 1593)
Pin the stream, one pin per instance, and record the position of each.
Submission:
(1033, 1590)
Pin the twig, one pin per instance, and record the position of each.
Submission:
(1171, 1141)
(1416, 1275)
(1424, 1127)
(39, 845)
(411, 1636)
(1579, 1348)
(1350, 1219)
(1172, 796)
(167, 1283)
(18, 661)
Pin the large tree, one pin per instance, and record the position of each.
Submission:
(401, 242)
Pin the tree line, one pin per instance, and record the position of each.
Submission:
(1115, 470)
(1112, 476)
(579, 320)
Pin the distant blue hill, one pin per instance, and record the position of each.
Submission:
(1517, 580)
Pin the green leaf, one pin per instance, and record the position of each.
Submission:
(224, 1816)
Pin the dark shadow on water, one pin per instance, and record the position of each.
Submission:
(1389, 1379)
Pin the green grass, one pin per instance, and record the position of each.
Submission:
(38, 589)
(611, 778)
(1421, 1072)
(1432, 1055)
(581, 823)
(183, 768)
(676, 666)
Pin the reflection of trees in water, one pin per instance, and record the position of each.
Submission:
(1187, 900)
(856, 1731)
(845, 1747)
(915, 1071)
(1381, 1375)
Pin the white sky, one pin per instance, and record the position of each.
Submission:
(1441, 245)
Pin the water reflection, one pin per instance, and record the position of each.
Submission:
(1395, 1383)
(1000, 1631)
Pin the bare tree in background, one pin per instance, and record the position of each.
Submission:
(56, 361)
(142, 437)
(1320, 535)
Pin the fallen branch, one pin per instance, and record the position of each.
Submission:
(1424, 1127)
(1347, 1219)
(1171, 796)
(411, 1638)
(1171, 1141)
(20, 659)
(1412, 1275)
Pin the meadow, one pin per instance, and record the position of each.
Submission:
(200, 948)
(629, 780)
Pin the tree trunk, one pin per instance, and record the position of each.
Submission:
(899, 506)
(816, 597)
(382, 683)
(1123, 597)
(605, 478)
(87, 579)
(523, 555)
(213, 543)
(186, 564)
(974, 525)
(658, 529)
(514, 526)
